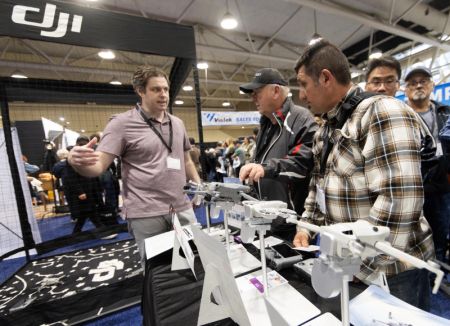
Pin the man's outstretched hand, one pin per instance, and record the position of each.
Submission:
(84, 155)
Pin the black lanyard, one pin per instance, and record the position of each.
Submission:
(152, 127)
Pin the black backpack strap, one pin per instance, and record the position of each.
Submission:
(347, 108)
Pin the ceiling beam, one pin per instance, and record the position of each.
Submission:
(239, 53)
(368, 20)
(104, 72)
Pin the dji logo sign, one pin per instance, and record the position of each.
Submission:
(19, 17)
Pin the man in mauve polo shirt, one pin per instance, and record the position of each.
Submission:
(154, 149)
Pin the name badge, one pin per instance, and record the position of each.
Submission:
(320, 199)
(173, 163)
(439, 150)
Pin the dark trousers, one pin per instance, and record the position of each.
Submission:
(436, 209)
(413, 287)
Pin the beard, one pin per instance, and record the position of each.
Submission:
(419, 96)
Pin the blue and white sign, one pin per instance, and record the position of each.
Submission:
(441, 93)
(226, 118)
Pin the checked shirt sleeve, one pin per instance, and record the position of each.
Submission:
(392, 168)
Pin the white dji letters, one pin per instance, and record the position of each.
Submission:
(19, 17)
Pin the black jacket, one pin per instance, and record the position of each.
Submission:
(284, 149)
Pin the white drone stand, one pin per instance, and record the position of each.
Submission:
(259, 216)
(343, 246)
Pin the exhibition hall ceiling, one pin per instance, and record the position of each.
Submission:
(270, 33)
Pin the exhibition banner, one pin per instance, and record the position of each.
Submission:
(441, 93)
(86, 26)
(227, 118)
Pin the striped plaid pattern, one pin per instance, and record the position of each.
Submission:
(373, 173)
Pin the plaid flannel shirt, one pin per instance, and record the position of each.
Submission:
(373, 173)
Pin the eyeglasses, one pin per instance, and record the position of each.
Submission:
(389, 83)
(415, 83)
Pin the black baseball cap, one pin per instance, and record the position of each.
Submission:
(418, 69)
(264, 77)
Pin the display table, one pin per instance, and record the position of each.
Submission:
(173, 297)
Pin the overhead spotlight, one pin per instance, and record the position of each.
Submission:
(62, 118)
(18, 74)
(106, 54)
(82, 130)
(67, 122)
(226, 103)
(179, 102)
(375, 54)
(203, 65)
(187, 88)
(114, 81)
(314, 39)
(228, 21)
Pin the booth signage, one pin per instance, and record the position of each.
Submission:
(73, 24)
(225, 118)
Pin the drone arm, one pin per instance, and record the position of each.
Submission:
(386, 248)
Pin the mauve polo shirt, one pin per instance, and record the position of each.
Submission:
(149, 186)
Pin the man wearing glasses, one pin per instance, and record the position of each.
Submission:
(437, 191)
(383, 76)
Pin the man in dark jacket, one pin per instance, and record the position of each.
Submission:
(283, 158)
(419, 86)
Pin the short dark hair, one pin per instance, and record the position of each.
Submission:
(389, 62)
(82, 140)
(143, 74)
(192, 140)
(324, 55)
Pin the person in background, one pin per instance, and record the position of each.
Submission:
(110, 186)
(360, 159)
(83, 194)
(238, 157)
(154, 149)
(194, 152)
(247, 146)
(436, 207)
(283, 157)
(383, 76)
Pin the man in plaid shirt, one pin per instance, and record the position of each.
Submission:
(367, 169)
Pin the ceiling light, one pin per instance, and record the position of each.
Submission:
(106, 54)
(290, 94)
(115, 82)
(314, 39)
(187, 88)
(226, 103)
(61, 119)
(82, 130)
(67, 122)
(179, 102)
(202, 65)
(18, 74)
(375, 54)
(228, 21)
(241, 92)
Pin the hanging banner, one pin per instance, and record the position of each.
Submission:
(226, 118)
(441, 93)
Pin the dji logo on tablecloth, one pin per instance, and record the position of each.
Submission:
(106, 270)
(19, 13)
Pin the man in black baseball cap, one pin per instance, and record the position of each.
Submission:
(265, 76)
(282, 158)
(418, 70)
(419, 86)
